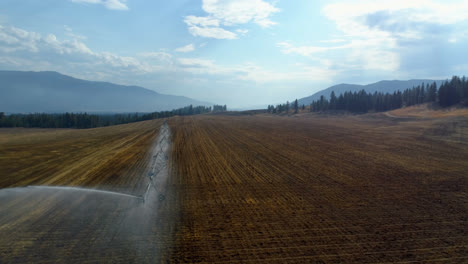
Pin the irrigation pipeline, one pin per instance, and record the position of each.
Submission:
(159, 159)
(82, 189)
(159, 164)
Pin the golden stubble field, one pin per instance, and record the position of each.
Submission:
(87, 224)
(320, 189)
(111, 158)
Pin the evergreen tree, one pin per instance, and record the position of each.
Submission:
(333, 100)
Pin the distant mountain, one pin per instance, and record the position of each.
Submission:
(382, 86)
(52, 92)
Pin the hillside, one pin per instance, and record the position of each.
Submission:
(382, 86)
(50, 92)
(428, 111)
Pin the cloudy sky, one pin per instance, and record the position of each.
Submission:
(237, 52)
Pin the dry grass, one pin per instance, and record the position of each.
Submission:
(107, 158)
(425, 111)
(319, 189)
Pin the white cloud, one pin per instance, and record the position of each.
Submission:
(254, 73)
(339, 40)
(65, 47)
(160, 55)
(20, 44)
(185, 49)
(304, 73)
(212, 32)
(371, 54)
(288, 48)
(366, 55)
(69, 32)
(119, 61)
(374, 32)
(242, 31)
(201, 66)
(207, 27)
(109, 4)
(17, 46)
(15, 39)
(195, 62)
(234, 12)
(201, 21)
(392, 18)
(230, 13)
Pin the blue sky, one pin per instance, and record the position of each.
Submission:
(238, 52)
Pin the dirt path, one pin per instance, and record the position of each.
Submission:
(73, 225)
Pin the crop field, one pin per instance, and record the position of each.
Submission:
(109, 158)
(320, 189)
(115, 216)
(310, 188)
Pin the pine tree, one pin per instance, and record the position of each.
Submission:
(333, 100)
(432, 94)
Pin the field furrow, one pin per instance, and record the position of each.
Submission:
(279, 189)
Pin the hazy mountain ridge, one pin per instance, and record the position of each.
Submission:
(52, 92)
(381, 86)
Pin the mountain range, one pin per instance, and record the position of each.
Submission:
(382, 86)
(52, 92)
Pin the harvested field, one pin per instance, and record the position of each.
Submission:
(110, 158)
(74, 225)
(249, 188)
(319, 189)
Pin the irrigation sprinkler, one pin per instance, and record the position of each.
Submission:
(146, 192)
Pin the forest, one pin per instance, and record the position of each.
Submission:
(449, 93)
(85, 120)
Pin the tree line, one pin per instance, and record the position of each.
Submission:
(84, 120)
(287, 107)
(449, 93)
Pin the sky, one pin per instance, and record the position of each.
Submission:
(243, 53)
